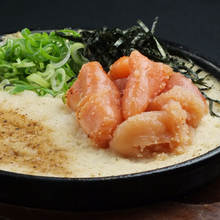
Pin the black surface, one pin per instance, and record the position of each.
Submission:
(123, 191)
(194, 23)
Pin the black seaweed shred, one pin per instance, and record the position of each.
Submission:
(106, 45)
(211, 102)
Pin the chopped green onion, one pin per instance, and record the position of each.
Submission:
(78, 58)
(70, 32)
(64, 60)
(35, 78)
(58, 79)
(41, 62)
(23, 64)
(20, 88)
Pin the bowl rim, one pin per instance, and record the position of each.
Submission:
(207, 63)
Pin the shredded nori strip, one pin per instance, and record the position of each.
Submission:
(106, 45)
(211, 102)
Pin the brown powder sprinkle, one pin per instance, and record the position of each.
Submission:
(27, 143)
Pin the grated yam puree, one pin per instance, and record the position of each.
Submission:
(40, 136)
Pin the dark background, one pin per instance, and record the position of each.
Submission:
(193, 23)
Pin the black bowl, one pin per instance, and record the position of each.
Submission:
(115, 191)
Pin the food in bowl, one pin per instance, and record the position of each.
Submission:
(41, 135)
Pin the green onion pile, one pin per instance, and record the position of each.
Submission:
(41, 62)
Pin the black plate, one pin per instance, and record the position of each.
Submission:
(116, 191)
